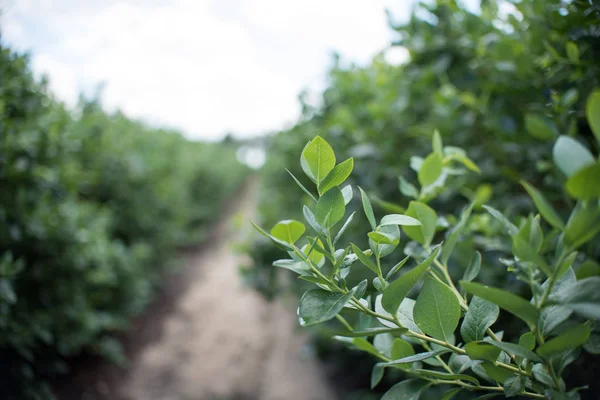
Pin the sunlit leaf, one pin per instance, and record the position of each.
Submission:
(330, 208)
(317, 159)
(337, 175)
(428, 218)
(570, 156)
(431, 169)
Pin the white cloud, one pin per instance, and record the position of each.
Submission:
(203, 66)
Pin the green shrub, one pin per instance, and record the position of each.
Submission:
(501, 87)
(92, 208)
(545, 253)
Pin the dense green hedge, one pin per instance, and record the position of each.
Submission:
(500, 86)
(92, 208)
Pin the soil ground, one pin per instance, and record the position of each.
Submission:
(208, 337)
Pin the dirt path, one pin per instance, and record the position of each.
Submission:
(223, 340)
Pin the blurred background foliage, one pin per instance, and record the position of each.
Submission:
(93, 207)
(502, 84)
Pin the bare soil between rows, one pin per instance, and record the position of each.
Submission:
(207, 336)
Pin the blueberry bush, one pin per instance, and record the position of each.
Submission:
(92, 209)
(502, 83)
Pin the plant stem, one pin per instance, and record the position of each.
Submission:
(448, 278)
(488, 388)
(440, 360)
(344, 322)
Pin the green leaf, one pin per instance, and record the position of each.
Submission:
(592, 110)
(305, 190)
(479, 317)
(309, 216)
(399, 219)
(517, 350)
(527, 340)
(330, 208)
(406, 390)
(482, 195)
(383, 343)
(445, 376)
(570, 156)
(505, 300)
(317, 159)
(299, 267)
(570, 339)
(337, 175)
(451, 393)
(401, 349)
(459, 363)
(540, 127)
(397, 290)
(407, 188)
(364, 345)
(426, 215)
(7, 293)
(498, 374)
(360, 289)
(319, 305)
(562, 269)
(365, 259)
(473, 268)
(376, 375)
(347, 192)
(370, 332)
(273, 238)
(510, 228)
(583, 297)
(382, 238)
(482, 351)
(464, 160)
(540, 373)
(311, 250)
(405, 315)
(312, 279)
(551, 317)
(384, 247)
(525, 252)
(543, 206)
(592, 345)
(583, 224)
(513, 386)
(414, 358)
(437, 310)
(585, 183)
(587, 269)
(344, 227)
(397, 267)
(288, 230)
(368, 208)
(436, 143)
(572, 52)
(451, 239)
(431, 169)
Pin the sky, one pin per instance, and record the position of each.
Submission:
(205, 67)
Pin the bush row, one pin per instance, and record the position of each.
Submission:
(501, 83)
(92, 208)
